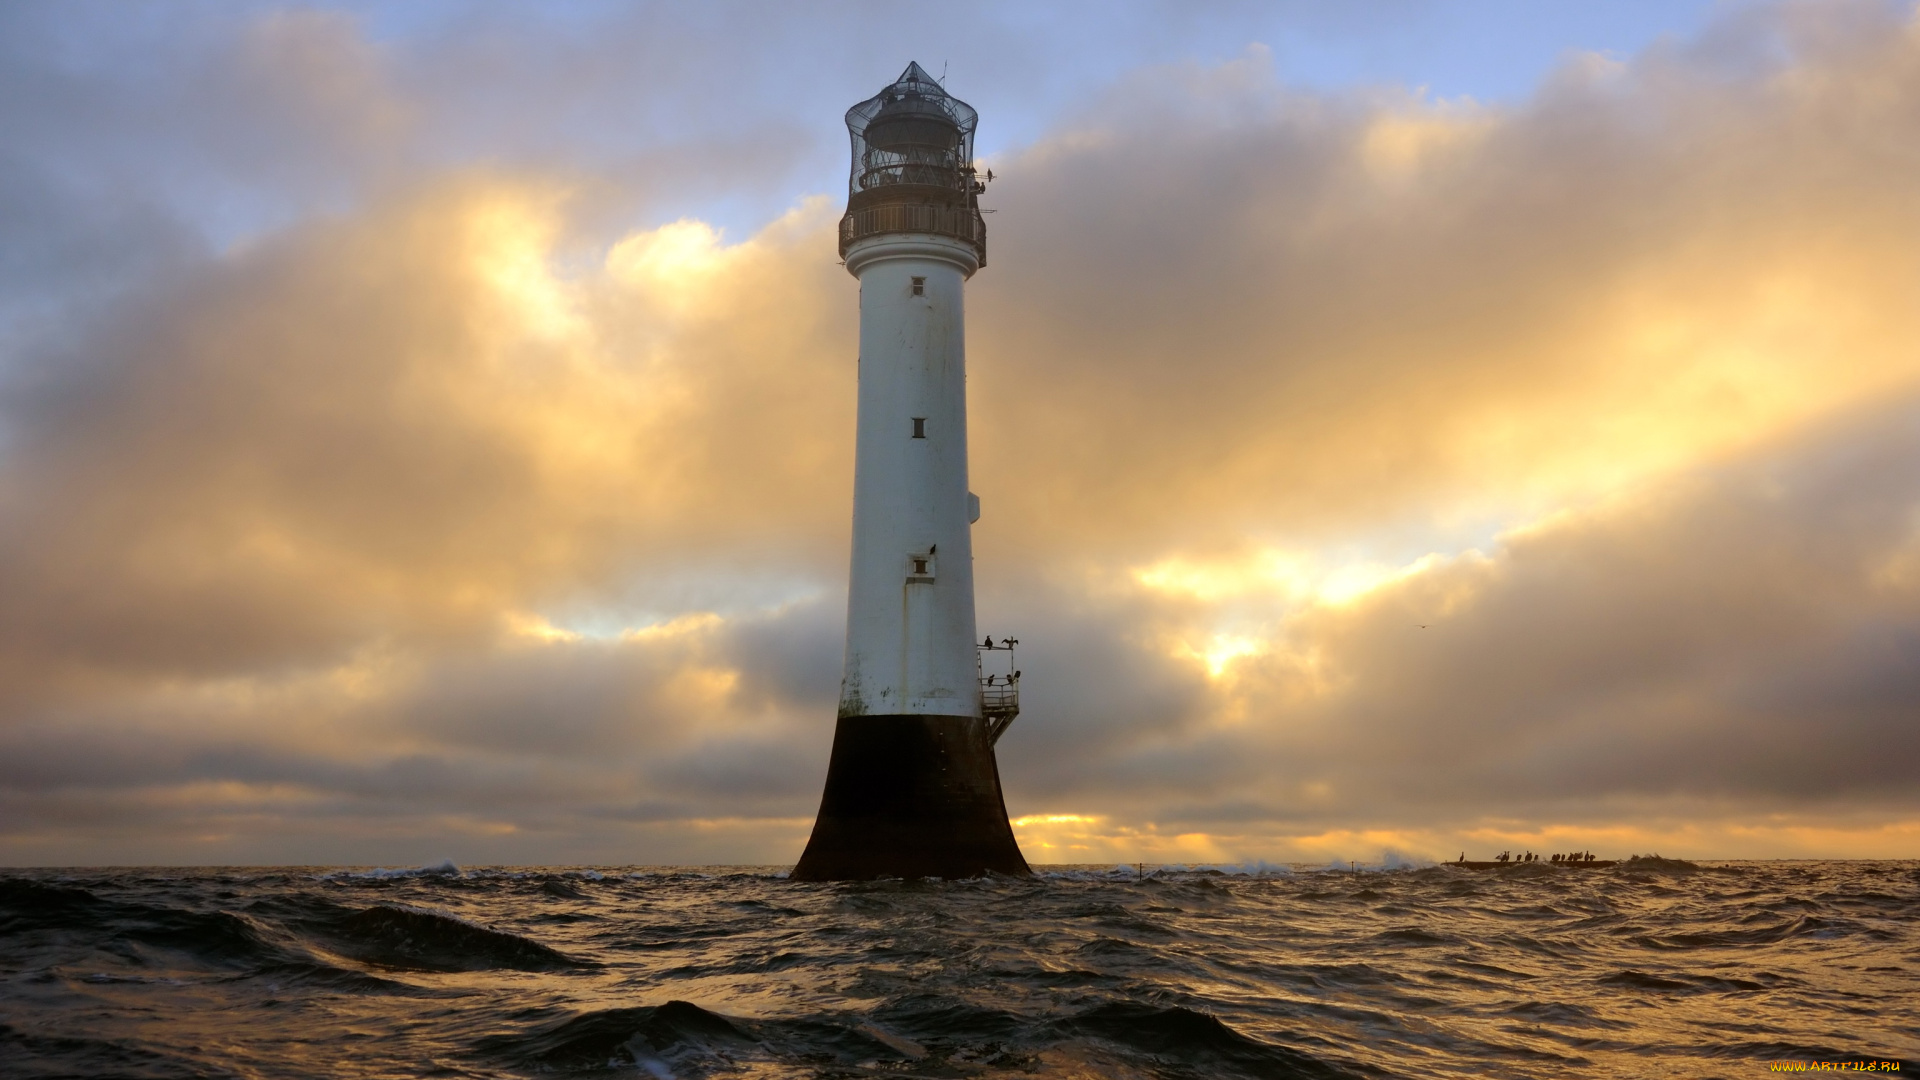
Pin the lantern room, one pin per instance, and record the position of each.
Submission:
(913, 165)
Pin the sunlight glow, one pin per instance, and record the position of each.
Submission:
(1082, 838)
(1224, 649)
(538, 628)
(690, 623)
(1274, 582)
(511, 241)
(674, 263)
(1053, 819)
(1290, 578)
(1396, 144)
(701, 688)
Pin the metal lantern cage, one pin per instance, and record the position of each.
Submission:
(913, 165)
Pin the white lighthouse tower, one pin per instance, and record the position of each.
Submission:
(913, 788)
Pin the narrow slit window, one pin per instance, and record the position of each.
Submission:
(919, 286)
(919, 427)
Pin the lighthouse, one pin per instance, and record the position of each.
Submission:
(913, 788)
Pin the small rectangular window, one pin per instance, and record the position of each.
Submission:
(919, 286)
(919, 427)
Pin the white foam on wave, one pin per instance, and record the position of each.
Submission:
(1390, 860)
(1089, 873)
(1136, 871)
(1251, 868)
(443, 868)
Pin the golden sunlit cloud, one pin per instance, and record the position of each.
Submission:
(1283, 576)
(539, 629)
(1082, 838)
(1224, 649)
(511, 245)
(677, 261)
(1258, 593)
(690, 623)
(1396, 145)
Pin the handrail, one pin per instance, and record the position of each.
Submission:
(999, 705)
(999, 694)
(959, 222)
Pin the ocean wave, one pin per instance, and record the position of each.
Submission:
(1186, 1037)
(1805, 926)
(27, 905)
(148, 934)
(679, 1037)
(611, 1038)
(35, 1056)
(416, 939)
(1171, 974)
(1689, 983)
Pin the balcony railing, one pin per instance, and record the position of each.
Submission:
(960, 222)
(999, 692)
(999, 704)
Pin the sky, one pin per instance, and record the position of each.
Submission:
(1402, 428)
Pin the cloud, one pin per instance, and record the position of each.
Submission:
(1361, 471)
(1737, 635)
(1272, 333)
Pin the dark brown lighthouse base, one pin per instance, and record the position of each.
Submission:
(911, 796)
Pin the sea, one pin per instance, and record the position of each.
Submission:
(1650, 968)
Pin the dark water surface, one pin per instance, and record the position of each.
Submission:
(1655, 969)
